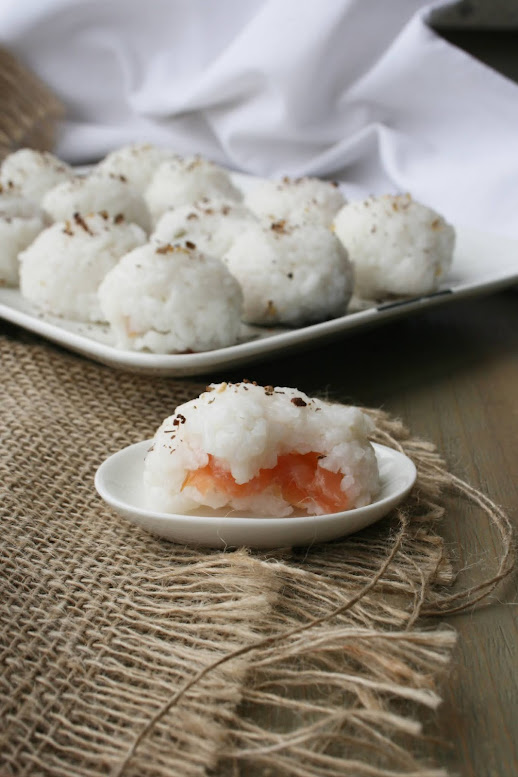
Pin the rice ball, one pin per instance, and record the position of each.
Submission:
(267, 450)
(136, 163)
(296, 200)
(33, 173)
(61, 270)
(13, 203)
(20, 222)
(397, 245)
(184, 180)
(212, 225)
(291, 274)
(95, 194)
(171, 299)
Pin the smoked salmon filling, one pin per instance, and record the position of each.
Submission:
(298, 477)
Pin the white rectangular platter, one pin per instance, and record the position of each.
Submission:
(482, 264)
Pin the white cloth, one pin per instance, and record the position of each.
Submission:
(359, 90)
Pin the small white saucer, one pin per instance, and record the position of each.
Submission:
(119, 482)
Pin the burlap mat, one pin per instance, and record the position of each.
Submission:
(30, 110)
(123, 654)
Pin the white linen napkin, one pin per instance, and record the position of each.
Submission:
(359, 90)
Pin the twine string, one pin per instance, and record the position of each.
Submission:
(100, 621)
(263, 643)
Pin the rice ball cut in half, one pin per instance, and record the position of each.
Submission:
(61, 270)
(95, 194)
(291, 274)
(398, 246)
(297, 200)
(212, 225)
(20, 222)
(33, 173)
(184, 180)
(171, 299)
(269, 451)
(136, 163)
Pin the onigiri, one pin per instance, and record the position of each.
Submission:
(297, 200)
(61, 270)
(262, 449)
(13, 203)
(33, 173)
(95, 194)
(184, 180)
(212, 225)
(136, 163)
(20, 221)
(290, 274)
(171, 299)
(399, 247)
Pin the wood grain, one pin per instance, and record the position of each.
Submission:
(452, 376)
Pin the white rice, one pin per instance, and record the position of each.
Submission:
(245, 428)
(16, 233)
(96, 194)
(291, 274)
(33, 173)
(61, 270)
(136, 163)
(170, 299)
(398, 246)
(185, 180)
(212, 225)
(13, 203)
(297, 200)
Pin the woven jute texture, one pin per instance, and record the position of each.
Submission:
(122, 654)
(30, 111)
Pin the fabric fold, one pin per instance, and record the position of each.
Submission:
(287, 88)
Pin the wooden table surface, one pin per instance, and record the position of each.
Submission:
(452, 376)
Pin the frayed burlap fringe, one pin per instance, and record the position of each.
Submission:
(125, 655)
